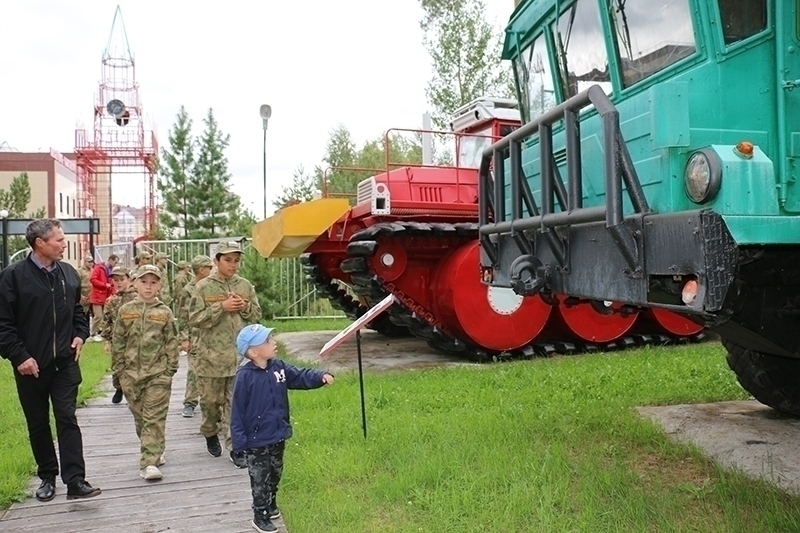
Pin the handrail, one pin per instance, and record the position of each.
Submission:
(618, 166)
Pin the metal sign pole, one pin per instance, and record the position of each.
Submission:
(361, 384)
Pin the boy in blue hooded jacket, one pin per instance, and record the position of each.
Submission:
(260, 415)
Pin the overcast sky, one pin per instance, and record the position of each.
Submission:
(318, 63)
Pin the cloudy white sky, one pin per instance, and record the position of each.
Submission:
(318, 63)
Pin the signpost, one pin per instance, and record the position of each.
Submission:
(348, 332)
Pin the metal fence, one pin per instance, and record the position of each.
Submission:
(296, 297)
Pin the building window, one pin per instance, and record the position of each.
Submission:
(60, 203)
(68, 205)
(74, 212)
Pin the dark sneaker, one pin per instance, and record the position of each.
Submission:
(81, 489)
(47, 490)
(238, 459)
(212, 444)
(262, 524)
(273, 510)
(117, 396)
(188, 411)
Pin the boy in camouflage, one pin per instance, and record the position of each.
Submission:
(165, 295)
(182, 277)
(201, 266)
(221, 305)
(144, 354)
(260, 423)
(123, 293)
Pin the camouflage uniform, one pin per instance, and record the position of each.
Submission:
(112, 308)
(216, 358)
(181, 279)
(86, 288)
(165, 295)
(144, 351)
(185, 332)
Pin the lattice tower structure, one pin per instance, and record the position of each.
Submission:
(119, 143)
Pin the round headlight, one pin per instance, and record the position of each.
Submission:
(702, 176)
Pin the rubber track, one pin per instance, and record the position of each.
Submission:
(341, 300)
(364, 244)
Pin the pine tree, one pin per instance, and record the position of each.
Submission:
(175, 178)
(212, 208)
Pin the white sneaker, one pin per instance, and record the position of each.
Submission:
(150, 472)
(97, 338)
(161, 461)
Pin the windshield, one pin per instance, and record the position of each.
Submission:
(582, 58)
(651, 37)
(535, 80)
(470, 148)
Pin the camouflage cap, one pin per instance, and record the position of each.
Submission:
(148, 269)
(120, 270)
(230, 247)
(88, 257)
(161, 255)
(143, 255)
(183, 264)
(200, 261)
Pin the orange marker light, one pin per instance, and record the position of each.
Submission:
(689, 292)
(744, 149)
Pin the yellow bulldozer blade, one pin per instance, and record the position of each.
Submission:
(291, 230)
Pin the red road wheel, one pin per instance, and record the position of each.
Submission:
(673, 323)
(491, 317)
(595, 322)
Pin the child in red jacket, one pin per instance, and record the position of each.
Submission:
(260, 415)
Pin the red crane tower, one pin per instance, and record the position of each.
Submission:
(119, 143)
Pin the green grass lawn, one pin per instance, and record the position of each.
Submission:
(16, 460)
(548, 445)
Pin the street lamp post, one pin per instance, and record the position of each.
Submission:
(89, 214)
(4, 215)
(266, 112)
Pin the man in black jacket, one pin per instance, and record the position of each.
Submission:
(42, 331)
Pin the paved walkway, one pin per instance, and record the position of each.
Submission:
(199, 493)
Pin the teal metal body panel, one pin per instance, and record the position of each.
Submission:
(717, 97)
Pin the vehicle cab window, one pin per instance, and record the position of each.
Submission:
(581, 49)
(534, 80)
(741, 19)
(650, 37)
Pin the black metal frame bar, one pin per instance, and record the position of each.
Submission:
(618, 168)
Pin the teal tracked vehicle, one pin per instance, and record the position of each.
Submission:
(656, 167)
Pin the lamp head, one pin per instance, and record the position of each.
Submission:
(3, 213)
(89, 213)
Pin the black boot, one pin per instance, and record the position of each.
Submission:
(274, 512)
(262, 523)
(212, 444)
(117, 396)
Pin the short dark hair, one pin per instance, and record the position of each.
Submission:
(40, 229)
(112, 257)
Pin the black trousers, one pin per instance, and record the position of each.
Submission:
(265, 466)
(57, 383)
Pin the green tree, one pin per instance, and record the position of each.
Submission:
(16, 201)
(465, 51)
(303, 188)
(210, 211)
(265, 277)
(342, 151)
(176, 177)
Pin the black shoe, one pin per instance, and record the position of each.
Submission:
(47, 490)
(81, 489)
(274, 512)
(262, 524)
(117, 396)
(239, 460)
(212, 444)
